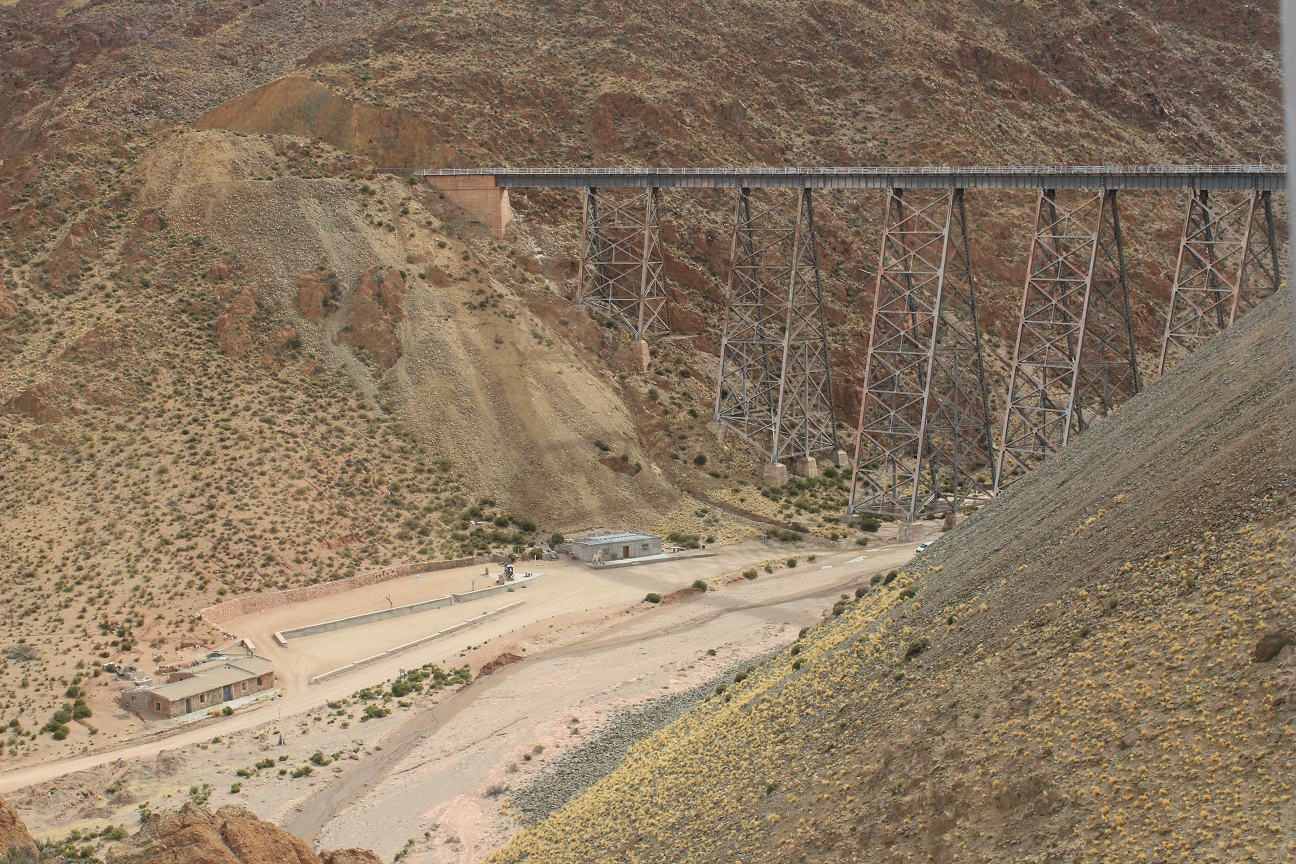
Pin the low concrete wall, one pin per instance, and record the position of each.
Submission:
(520, 582)
(392, 652)
(366, 618)
(635, 562)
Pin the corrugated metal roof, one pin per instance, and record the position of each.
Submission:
(615, 538)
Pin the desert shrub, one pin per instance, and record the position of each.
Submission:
(749, 573)
(860, 592)
(916, 647)
(890, 577)
(791, 562)
(907, 593)
(303, 771)
(22, 653)
(652, 597)
(700, 460)
(700, 584)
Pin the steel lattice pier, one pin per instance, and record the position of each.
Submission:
(775, 388)
(620, 269)
(1228, 261)
(925, 439)
(923, 435)
(1074, 357)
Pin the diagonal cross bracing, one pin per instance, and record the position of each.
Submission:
(621, 262)
(774, 386)
(1074, 358)
(1228, 261)
(923, 432)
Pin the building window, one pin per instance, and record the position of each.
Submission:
(258, 682)
(202, 698)
(645, 547)
(244, 685)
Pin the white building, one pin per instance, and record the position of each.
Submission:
(616, 547)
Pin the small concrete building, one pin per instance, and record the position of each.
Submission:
(616, 547)
(202, 686)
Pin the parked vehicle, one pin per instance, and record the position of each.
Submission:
(923, 547)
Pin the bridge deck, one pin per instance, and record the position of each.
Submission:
(1241, 177)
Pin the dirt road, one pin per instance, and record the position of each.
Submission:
(529, 624)
(431, 776)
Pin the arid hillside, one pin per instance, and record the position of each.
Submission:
(231, 358)
(1097, 667)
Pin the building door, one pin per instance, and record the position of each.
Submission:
(188, 706)
(227, 694)
(625, 551)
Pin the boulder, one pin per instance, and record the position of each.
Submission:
(13, 833)
(230, 835)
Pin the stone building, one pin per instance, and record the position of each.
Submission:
(202, 686)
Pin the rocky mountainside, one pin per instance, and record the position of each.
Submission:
(1097, 667)
(230, 835)
(231, 359)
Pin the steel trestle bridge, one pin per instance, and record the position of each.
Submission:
(924, 441)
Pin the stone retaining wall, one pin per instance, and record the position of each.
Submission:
(391, 652)
(249, 603)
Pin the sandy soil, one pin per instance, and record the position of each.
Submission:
(436, 794)
(568, 588)
(591, 652)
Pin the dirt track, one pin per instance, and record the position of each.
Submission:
(567, 594)
(436, 781)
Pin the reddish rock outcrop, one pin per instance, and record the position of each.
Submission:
(101, 343)
(8, 307)
(317, 294)
(230, 835)
(43, 401)
(233, 326)
(375, 314)
(350, 856)
(287, 335)
(13, 833)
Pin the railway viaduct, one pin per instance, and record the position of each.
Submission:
(924, 441)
